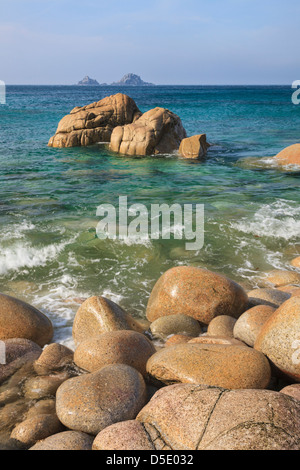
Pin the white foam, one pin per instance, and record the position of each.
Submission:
(280, 219)
(24, 255)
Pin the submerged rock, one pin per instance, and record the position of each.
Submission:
(196, 292)
(289, 156)
(95, 122)
(36, 428)
(155, 132)
(18, 352)
(53, 357)
(282, 278)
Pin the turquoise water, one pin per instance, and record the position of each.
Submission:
(49, 252)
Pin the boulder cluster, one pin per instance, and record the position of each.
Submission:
(117, 120)
(213, 368)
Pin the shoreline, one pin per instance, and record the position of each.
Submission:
(227, 331)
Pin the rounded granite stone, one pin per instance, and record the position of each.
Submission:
(115, 347)
(36, 428)
(68, 440)
(231, 367)
(41, 387)
(249, 325)
(194, 417)
(221, 326)
(52, 358)
(195, 292)
(127, 435)
(175, 324)
(282, 278)
(99, 315)
(271, 297)
(292, 391)
(42, 407)
(21, 320)
(92, 402)
(279, 338)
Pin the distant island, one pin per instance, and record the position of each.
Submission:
(87, 81)
(128, 80)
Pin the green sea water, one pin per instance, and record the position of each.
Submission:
(49, 252)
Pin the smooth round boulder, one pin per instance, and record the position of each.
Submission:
(128, 435)
(271, 297)
(198, 293)
(175, 324)
(191, 417)
(249, 325)
(221, 326)
(20, 320)
(292, 391)
(289, 156)
(52, 358)
(92, 402)
(115, 347)
(279, 338)
(99, 315)
(282, 278)
(227, 366)
(36, 428)
(68, 440)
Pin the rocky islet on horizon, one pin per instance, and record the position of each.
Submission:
(129, 79)
(228, 380)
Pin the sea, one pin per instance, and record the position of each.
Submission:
(50, 255)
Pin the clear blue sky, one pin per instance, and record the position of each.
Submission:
(164, 41)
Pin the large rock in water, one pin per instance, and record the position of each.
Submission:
(194, 147)
(156, 131)
(196, 292)
(190, 417)
(289, 155)
(279, 338)
(20, 320)
(230, 367)
(95, 122)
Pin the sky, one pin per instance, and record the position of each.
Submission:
(187, 42)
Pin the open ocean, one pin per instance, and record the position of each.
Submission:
(49, 252)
